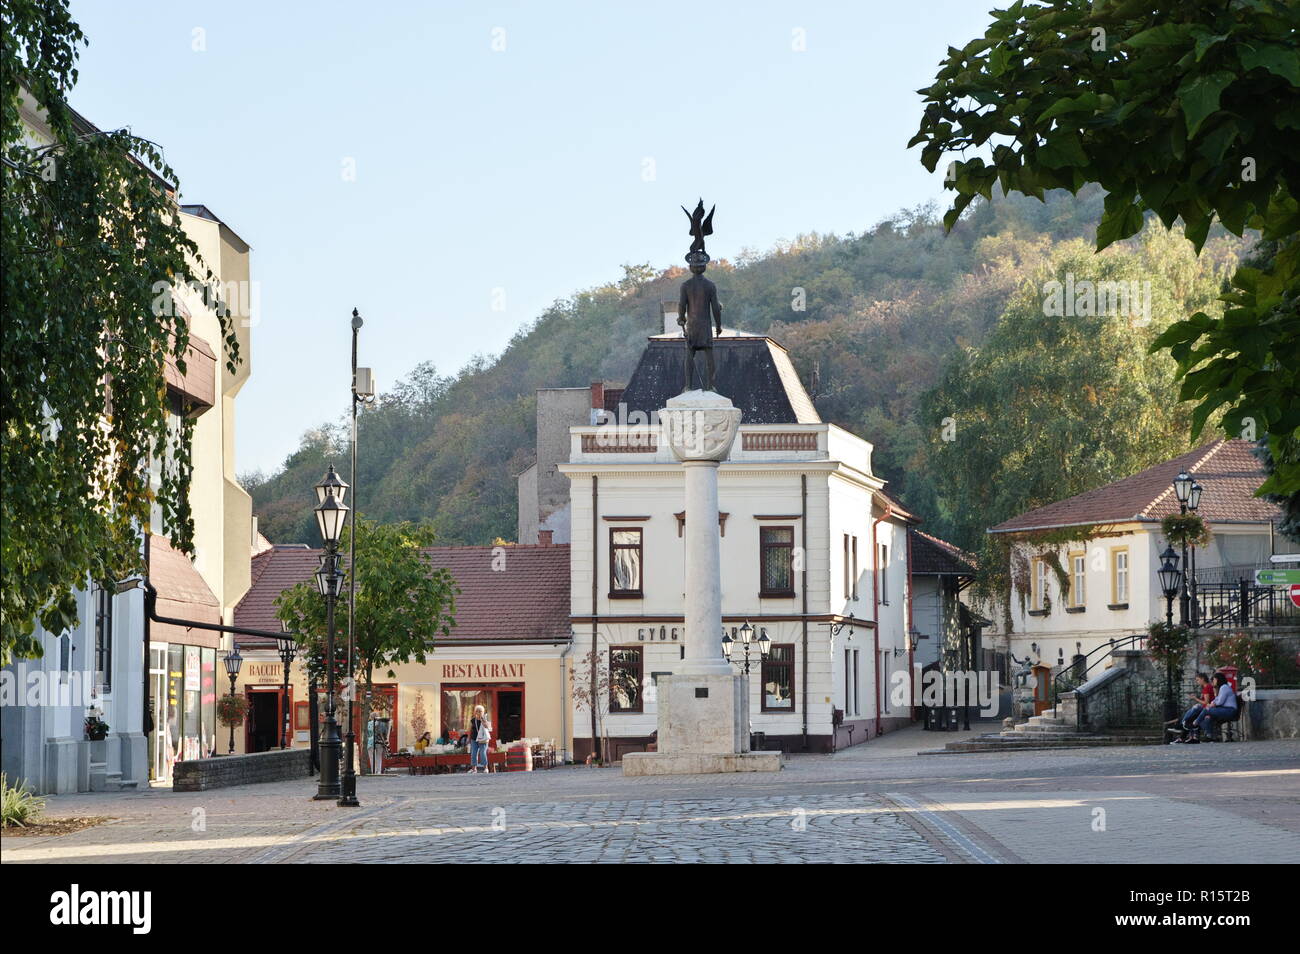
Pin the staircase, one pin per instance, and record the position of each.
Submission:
(1050, 730)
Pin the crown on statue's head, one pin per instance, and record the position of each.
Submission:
(697, 258)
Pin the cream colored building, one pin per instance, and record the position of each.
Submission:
(506, 652)
(1106, 586)
(165, 711)
(814, 554)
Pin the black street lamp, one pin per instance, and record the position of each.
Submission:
(1193, 502)
(1170, 581)
(233, 661)
(363, 392)
(288, 652)
(1183, 484)
(331, 515)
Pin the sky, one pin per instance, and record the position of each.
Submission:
(451, 169)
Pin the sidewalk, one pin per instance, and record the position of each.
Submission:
(910, 741)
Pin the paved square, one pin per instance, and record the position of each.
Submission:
(877, 803)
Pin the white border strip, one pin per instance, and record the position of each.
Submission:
(962, 840)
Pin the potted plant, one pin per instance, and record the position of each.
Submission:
(96, 728)
(231, 710)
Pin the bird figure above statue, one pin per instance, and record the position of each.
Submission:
(701, 225)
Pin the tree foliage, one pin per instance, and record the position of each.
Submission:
(882, 311)
(1189, 111)
(403, 604)
(90, 226)
(1055, 404)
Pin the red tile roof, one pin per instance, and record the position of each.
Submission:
(934, 557)
(1227, 470)
(526, 598)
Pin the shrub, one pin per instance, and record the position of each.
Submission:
(1167, 643)
(20, 806)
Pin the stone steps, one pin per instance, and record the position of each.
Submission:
(1036, 742)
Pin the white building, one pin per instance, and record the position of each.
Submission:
(166, 712)
(814, 554)
(1106, 586)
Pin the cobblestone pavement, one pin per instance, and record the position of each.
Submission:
(1158, 804)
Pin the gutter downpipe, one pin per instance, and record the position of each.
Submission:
(911, 648)
(147, 717)
(875, 603)
(803, 520)
(595, 622)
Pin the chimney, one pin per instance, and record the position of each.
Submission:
(544, 537)
(668, 309)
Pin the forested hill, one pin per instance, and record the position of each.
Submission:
(888, 316)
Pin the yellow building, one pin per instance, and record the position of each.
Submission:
(184, 667)
(506, 651)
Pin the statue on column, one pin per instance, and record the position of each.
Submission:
(698, 310)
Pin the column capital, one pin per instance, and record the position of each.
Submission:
(700, 426)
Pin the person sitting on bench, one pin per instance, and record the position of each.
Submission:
(1222, 709)
(1205, 695)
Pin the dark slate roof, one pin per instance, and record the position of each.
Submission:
(934, 557)
(520, 594)
(752, 370)
(1227, 470)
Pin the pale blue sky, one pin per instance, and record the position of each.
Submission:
(521, 170)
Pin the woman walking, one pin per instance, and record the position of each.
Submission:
(480, 733)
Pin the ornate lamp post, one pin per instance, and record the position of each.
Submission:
(747, 640)
(1183, 491)
(1193, 502)
(233, 661)
(1170, 581)
(363, 392)
(288, 649)
(331, 515)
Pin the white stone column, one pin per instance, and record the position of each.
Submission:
(703, 706)
(700, 427)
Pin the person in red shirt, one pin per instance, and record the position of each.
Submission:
(1204, 696)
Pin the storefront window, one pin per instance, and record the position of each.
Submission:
(208, 701)
(778, 678)
(191, 716)
(175, 705)
(458, 709)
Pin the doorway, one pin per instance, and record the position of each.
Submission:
(262, 731)
(510, 713)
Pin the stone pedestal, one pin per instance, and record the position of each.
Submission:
(703, 712)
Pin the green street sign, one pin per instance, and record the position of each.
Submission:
(1276, 577)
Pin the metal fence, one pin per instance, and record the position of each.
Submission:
(1242, 604)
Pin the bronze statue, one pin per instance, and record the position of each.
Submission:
(698, 310)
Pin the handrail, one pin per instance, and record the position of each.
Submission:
(1109, 647)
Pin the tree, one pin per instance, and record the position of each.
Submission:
(403, 604)
(1186, 110)
(90, 230)
(1064, 395)
(589, 687)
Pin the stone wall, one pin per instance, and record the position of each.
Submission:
(1272, 714)
(223, 771)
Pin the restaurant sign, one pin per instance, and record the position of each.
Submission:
(483, 671)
